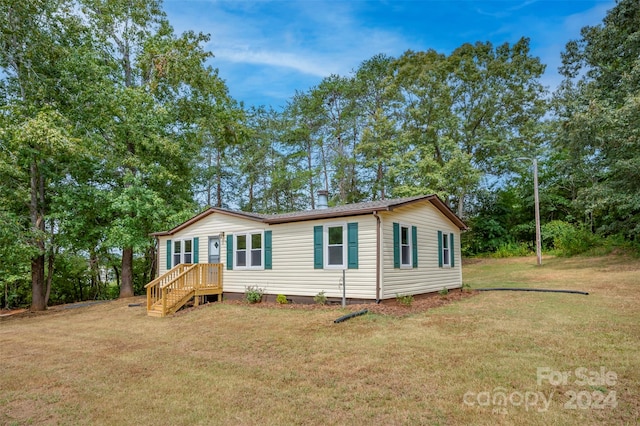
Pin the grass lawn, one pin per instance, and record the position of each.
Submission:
(231, 364)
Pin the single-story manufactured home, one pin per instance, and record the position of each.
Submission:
(386, 248)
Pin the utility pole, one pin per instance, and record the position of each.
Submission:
(536, 201)
(537, 208)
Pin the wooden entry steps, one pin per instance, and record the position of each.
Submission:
(171, 291)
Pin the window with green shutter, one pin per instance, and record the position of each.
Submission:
(335, 246)
(267, 250)
(352, 241)
(445, 249)
(196, 249)
(451, 249)
(414, 246)
(405, 247)
(396, 245)
(229, 252)
(440, 249)
(318, 232)
(168, 254)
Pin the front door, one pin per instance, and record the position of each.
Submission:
(214, 249)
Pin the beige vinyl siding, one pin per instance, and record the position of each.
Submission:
(292, 272)
(211, 226)
(428, 276)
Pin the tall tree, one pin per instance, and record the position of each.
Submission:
(378, 102)
(142, 133)
(41, 47)
(496, 96)
(303, 120)
(340, 132)
(598, 106)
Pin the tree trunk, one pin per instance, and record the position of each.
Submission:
(153, 267)
(116, 271)
(36, 212)
(380, 180)
(461, 204)
(218, 178)
(126, 286)
(310, 170)
(50, 266)
(38, 302)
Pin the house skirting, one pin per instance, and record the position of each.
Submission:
(302, 300)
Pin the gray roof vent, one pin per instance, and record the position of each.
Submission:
(323, 199)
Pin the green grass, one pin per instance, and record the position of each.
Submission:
(238, 364)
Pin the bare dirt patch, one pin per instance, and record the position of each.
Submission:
(9, 312)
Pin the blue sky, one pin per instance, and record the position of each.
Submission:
(266, 50)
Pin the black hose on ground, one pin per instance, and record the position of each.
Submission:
(540, 290)
(351, 315)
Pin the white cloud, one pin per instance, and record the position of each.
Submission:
(268, 49)
(293, 61)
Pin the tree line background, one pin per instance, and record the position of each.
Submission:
(112, 126)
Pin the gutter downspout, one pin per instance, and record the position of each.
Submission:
(378, 257)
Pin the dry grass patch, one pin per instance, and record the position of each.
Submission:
(234, 364)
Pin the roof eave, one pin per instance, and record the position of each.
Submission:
(446, 210)
(323, 215)
(204, 214)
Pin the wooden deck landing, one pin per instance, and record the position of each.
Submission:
(171, 291)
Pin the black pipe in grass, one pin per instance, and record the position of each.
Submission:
(540, 290)
(351, 315)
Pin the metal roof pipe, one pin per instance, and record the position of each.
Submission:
(323, 199)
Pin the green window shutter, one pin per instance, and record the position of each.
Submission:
(267, 249)
(414, 246)
(196, 249)
(396, 245)
(317, 247)
(451, 250)
(230, 252)
(168, 254)
(352, 240)
(440, 249)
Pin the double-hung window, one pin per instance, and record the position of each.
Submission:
(184, 250)
(241, 251)
(177, 252)
(335, 236)
(446, 251)
(405, 246)
(188, 251)
(256, 250)
(335, 246)
(249, 250)
(446, 247)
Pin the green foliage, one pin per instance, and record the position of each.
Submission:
(405, 300)
(282, 299)
(443, 292)
(599, 109)
(512, 249)
(253, 294)
(553, 232)
(576, 240)
(320, 298)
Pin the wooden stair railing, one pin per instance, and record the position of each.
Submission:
(154, 288)
(169, 292)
